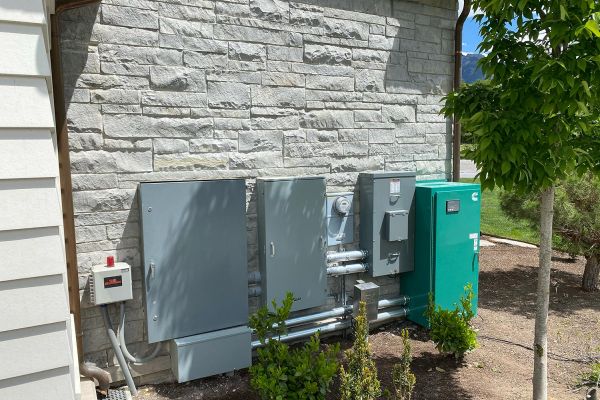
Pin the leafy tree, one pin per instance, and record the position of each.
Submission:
(576, 219)
(536, 119)
(283, 373)
(402, 376)
(360, 382)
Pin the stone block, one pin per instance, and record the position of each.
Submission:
(187, 161)
(320, 54)
(115, 96)
(173, 99)
(213, 145)
(398, 113)
(135, 126)
(247, 52)
(177, 79)
(130, 17)
(166, 146)
(228, 95)
(270, 10)
(368, 80)
(328, 119)
(260, 141)
(84, 118)
(278, 97)
(335, 83)
(282, 79)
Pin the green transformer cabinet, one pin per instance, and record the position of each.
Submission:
(446, 246)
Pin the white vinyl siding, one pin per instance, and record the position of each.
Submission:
(35, 336)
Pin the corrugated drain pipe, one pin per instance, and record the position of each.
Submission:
(458, 37)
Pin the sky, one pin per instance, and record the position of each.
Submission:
(471, 36)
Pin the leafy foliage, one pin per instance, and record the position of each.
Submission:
(537, 118)
(576, 219)
(360, 382)
(576, 213)
(451, 330)
(402, 377)
(282, 373)
(591, 377)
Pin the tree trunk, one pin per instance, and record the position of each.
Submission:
(540, 356)
(591, 275)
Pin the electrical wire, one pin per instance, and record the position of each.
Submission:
(553, 356)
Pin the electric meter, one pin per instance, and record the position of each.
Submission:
(342, 205)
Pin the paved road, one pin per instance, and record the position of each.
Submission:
(467, 169)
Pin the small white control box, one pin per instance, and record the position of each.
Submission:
(111, 284)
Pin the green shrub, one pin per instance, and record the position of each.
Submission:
(591, 377)
(576, 219)
(451, 330)
(282, 373)
(360, 382)
(402, 377)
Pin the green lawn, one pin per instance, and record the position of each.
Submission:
(494, 222)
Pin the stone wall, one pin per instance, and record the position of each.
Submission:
(205, 89)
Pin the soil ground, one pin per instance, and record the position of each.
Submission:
(501, 368)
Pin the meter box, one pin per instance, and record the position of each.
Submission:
(446, 246)
(291, 239)
(340, 218)
(110, 283)
(387, 203)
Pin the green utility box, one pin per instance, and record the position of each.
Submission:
(446, 246)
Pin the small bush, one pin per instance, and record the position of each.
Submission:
(360, 382)
(451, 330)
(282, 373)
(591, 377)
(402, 376)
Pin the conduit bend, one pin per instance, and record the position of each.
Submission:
(126, 353)
(117, 349)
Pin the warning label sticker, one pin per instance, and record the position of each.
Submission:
(395, 186)
(113, 281)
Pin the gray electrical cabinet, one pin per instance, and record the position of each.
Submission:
(292, 239)
(387, 204)
(194, 257)
(211, 353)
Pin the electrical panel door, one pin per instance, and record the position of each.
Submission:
(387, 202)
(292, 240)
(456, 245)
(195, 256)
(446, 246)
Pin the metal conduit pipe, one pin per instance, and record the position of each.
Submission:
(254, 291)
(334, 313)
(347, 269)
(126, 353)
(253, 277)
(334, 327)
(346, 256)
(341, 311)
(399, 301)
(120, 357)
